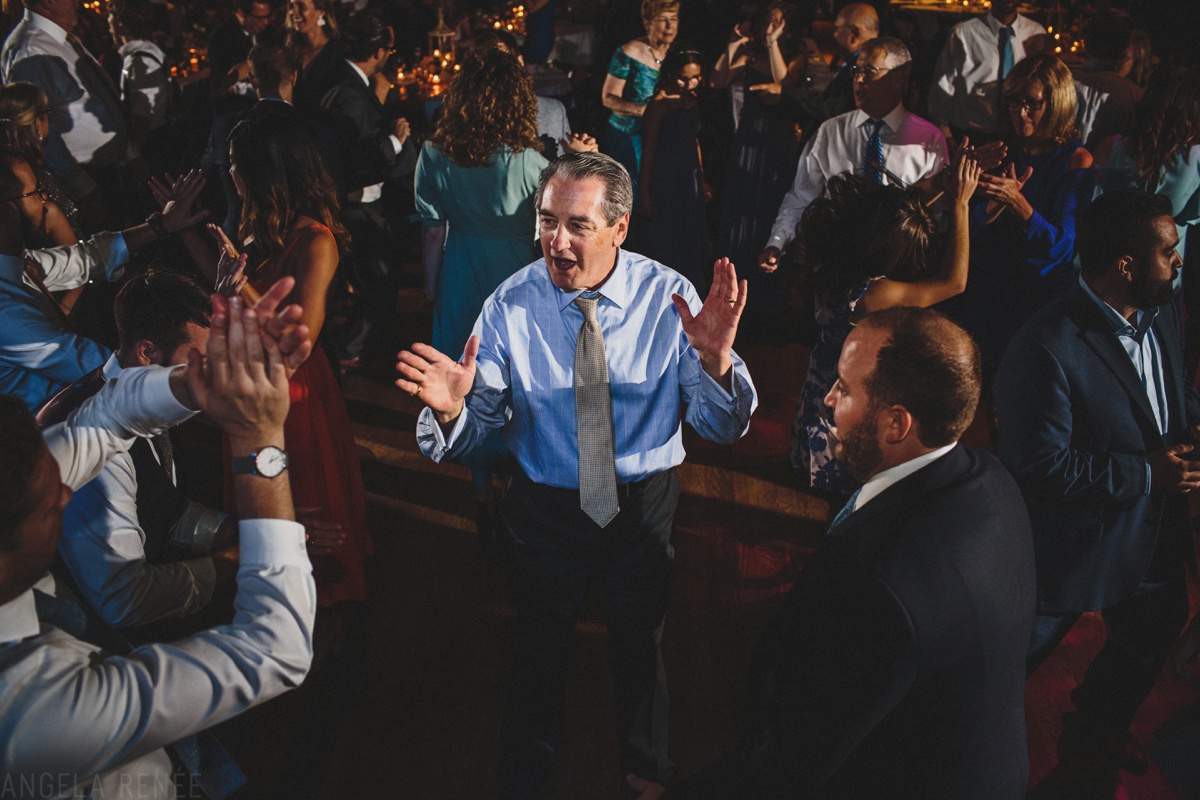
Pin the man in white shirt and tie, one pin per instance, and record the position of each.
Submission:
(965, 96)
(880, 139)
(87, 126)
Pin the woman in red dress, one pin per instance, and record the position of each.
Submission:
(290, 226)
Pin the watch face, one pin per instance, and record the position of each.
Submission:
(270, 461)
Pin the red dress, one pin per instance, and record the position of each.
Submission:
(323, 465)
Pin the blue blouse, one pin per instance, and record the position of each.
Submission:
(640, 81)
(1179, 181)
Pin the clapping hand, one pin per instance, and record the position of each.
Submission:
(579, 143)
(774, 31)
(967, 173)
(712, 331)
(741, 34)
(321, 536)
(283, 324)
(438, 380)
(231, 266)
(1004, 191)
(176, 197)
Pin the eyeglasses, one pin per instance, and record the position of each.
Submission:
(1030, 105)
(40, 192)
(869, 73)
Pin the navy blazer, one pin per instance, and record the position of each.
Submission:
(1075, 429)
(896, 665)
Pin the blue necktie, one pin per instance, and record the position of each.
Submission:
(846, 511)
(1006, 51)
(873, 154)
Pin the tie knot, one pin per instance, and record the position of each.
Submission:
(1007, 32)
(588, 306)
(876, 126)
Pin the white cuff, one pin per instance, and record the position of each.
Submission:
(271, 543)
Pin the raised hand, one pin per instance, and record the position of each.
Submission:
(231, 266)
(1004, 191)
(283, 324)
(242, 382)
(712, 331)
(438, 380)
(966, 180)
(176, 202)
(774, 31)
(321, 536)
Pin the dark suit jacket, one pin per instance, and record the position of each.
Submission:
(812, 107)
(228, 46)
(363, 133)
(896, 666)
(1075, 428)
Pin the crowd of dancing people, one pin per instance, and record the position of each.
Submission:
(963, 230)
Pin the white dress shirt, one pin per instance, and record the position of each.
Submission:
(87, 125)
(913, 148)
(369, 194)
(37, 358)
(73, 720)
(145, 82)
(104, 547)
(966, 90)
(877, 483)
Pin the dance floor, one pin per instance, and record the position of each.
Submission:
(410, 707)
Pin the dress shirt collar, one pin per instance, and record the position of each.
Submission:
(366, 81)
(618, 288)
(1142, 319)
(18, 618)
(142, 46)
(11, 268)
(55, 31)
(877, 483)
(891, 121)
(112, 368)
(994, 25)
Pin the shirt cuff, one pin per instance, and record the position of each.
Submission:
(160, 400)
(271, 543)
(397, 145)
(115, 252)
(779, 241)
(1147, 492)
(428, 426)
(716, 392)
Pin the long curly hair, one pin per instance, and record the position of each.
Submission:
(861, 229)
(284, 179)
(1167, 123)
(20, 106)
(489, 105)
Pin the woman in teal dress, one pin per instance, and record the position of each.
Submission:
(629, 85)
(475, 182)
(476, 178)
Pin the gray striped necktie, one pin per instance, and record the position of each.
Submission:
(593, 420)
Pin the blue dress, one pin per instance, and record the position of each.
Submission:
(623, 137)
(1179, 181)
(490, 216)
(676, 235)
(812, 449)
(1016, 270)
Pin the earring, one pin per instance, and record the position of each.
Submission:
(321, 20)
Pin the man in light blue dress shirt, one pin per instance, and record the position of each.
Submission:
(668, 358)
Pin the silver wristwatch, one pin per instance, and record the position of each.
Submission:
(268, 462)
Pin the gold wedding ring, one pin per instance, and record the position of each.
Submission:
(731, 300)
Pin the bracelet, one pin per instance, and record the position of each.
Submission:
(155, 221)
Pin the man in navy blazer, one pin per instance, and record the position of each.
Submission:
(896, 665)
(1096, 419)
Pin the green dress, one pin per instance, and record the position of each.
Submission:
(492, 231)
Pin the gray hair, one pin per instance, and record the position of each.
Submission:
(897, 52)
(618, 189)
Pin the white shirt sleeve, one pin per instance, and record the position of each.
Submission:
(68, 266)
(138, 403)
(808, 185)
(64, 708)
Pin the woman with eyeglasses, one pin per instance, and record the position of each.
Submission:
(1023, 227)
(24, 125)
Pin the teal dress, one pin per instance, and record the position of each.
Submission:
(1180, 182)
(623, 138)
(492, 233)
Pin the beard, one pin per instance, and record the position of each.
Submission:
(1146, 293)
(858, 448)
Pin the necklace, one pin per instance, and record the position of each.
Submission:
(657, 61)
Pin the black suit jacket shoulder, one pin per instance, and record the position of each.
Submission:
(895, 667)
(363, 134)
